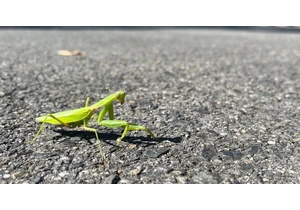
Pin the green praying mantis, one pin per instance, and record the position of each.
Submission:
(81, 116)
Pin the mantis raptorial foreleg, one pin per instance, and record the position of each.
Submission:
(107, 108)
(111, 123)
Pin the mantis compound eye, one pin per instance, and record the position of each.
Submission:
(120, 96)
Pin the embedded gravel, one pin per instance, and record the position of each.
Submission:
(223, 104)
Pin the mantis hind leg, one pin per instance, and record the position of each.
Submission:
(41, 127)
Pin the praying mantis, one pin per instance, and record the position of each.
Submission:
(81, 116)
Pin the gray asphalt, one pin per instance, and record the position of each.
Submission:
(224, 105)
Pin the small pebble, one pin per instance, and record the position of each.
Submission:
(65, 159)
(132, 146)
(6, 176)
(136, 171)
(63, 174)
(265, 180)
(38, 180)
(271, 142)
(181, 179)
(155, 153)
(112, 179)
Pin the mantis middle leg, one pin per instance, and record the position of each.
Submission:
(98, 140)
(127, 127)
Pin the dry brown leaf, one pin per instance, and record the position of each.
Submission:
(71, 53)
(77, 52)
(64, 53)
(158, 61)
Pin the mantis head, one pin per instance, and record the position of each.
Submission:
(120, 96)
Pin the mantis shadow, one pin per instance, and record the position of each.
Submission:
(110, 137)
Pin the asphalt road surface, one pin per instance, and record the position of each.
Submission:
(223, 104)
